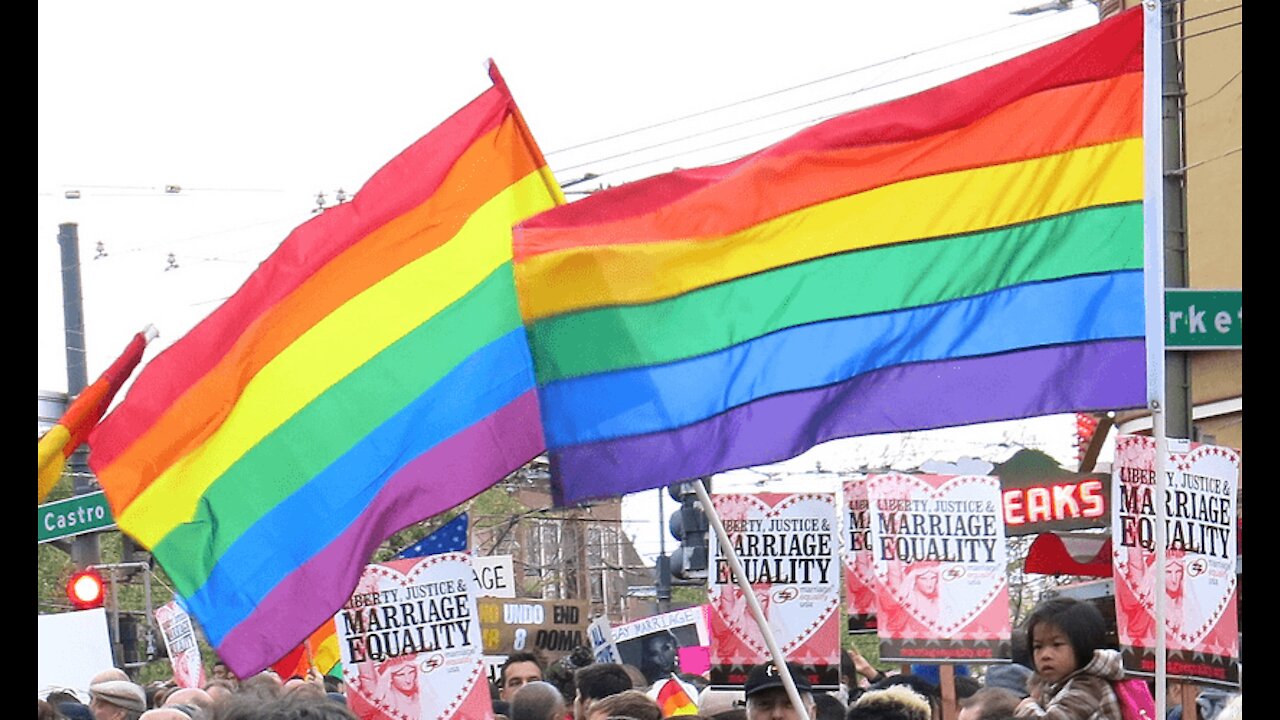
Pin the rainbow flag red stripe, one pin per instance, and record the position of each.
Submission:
(372, 372)
(968, 254)
(674, 701)
(58, 442)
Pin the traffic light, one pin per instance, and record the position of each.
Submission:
(85, 590)
(689, 525)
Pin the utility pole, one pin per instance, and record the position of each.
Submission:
(85, 550)
(1178, 423)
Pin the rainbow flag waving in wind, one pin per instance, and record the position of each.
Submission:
(371, 373)
(968, 254)
(58, 442)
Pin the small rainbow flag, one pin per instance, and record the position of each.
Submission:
(58, 442)
(372, 372)
(968, 254)
(323, 643)
(673, 700)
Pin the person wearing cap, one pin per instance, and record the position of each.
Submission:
(767, 697)
(117, 700)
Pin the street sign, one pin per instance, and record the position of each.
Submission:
(73, 516)
(1202, 319)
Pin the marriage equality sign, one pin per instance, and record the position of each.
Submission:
(410, 642)
(855, 551)
(790, 554)
(180, 642)
(1199, 579)
(938, 549)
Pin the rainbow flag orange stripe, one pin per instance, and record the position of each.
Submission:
(968, 254)
(58, 442)
(674, 701)
(323, 643)
(372, 372)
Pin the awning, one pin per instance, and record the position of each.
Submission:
(1085, 554)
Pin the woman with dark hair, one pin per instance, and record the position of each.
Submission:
(660, 657)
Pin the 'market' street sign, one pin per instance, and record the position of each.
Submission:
(73, 516)
(1202, 319)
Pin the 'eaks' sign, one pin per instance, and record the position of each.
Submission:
(1039, 496)
(1064, 505)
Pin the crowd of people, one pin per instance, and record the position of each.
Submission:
(1062, 670)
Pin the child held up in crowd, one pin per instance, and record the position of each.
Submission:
(1073, 669)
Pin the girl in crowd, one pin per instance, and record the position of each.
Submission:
(1073, 669)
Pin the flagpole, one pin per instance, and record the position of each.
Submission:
(1153, 284)
(545, 172)
(779, 660)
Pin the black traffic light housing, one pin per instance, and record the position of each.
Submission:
(689, 525)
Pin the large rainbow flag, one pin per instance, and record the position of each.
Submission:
(971, 253)
(371, 373)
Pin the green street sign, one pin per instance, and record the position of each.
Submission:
(73, 516)
(1202, 319)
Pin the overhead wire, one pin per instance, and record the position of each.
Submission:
(792, 88)
(1183, 38)
(802, 106)
(1215, 93)
(1183, 21)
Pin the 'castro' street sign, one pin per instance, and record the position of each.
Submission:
(73, 516)
(1202, 319)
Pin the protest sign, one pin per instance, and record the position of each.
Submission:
(549, 628)
(1199, 580)
(180, 641)
(410, 642)
(790, 554)
(855, 552)
(941, 567)
(494, 575)
(602, 646)
(653, 643)
(72, 648)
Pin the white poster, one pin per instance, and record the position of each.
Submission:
(495, 576)
(71, 648)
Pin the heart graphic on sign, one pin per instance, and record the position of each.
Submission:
(794, 611)
(859, 564)
(1198, 591)
(943, 596)
(414, 686)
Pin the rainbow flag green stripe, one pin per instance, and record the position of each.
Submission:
(365, 400)
(718, 316)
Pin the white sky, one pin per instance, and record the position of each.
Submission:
(254, 107)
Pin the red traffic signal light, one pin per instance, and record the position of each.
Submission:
(85, 590)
